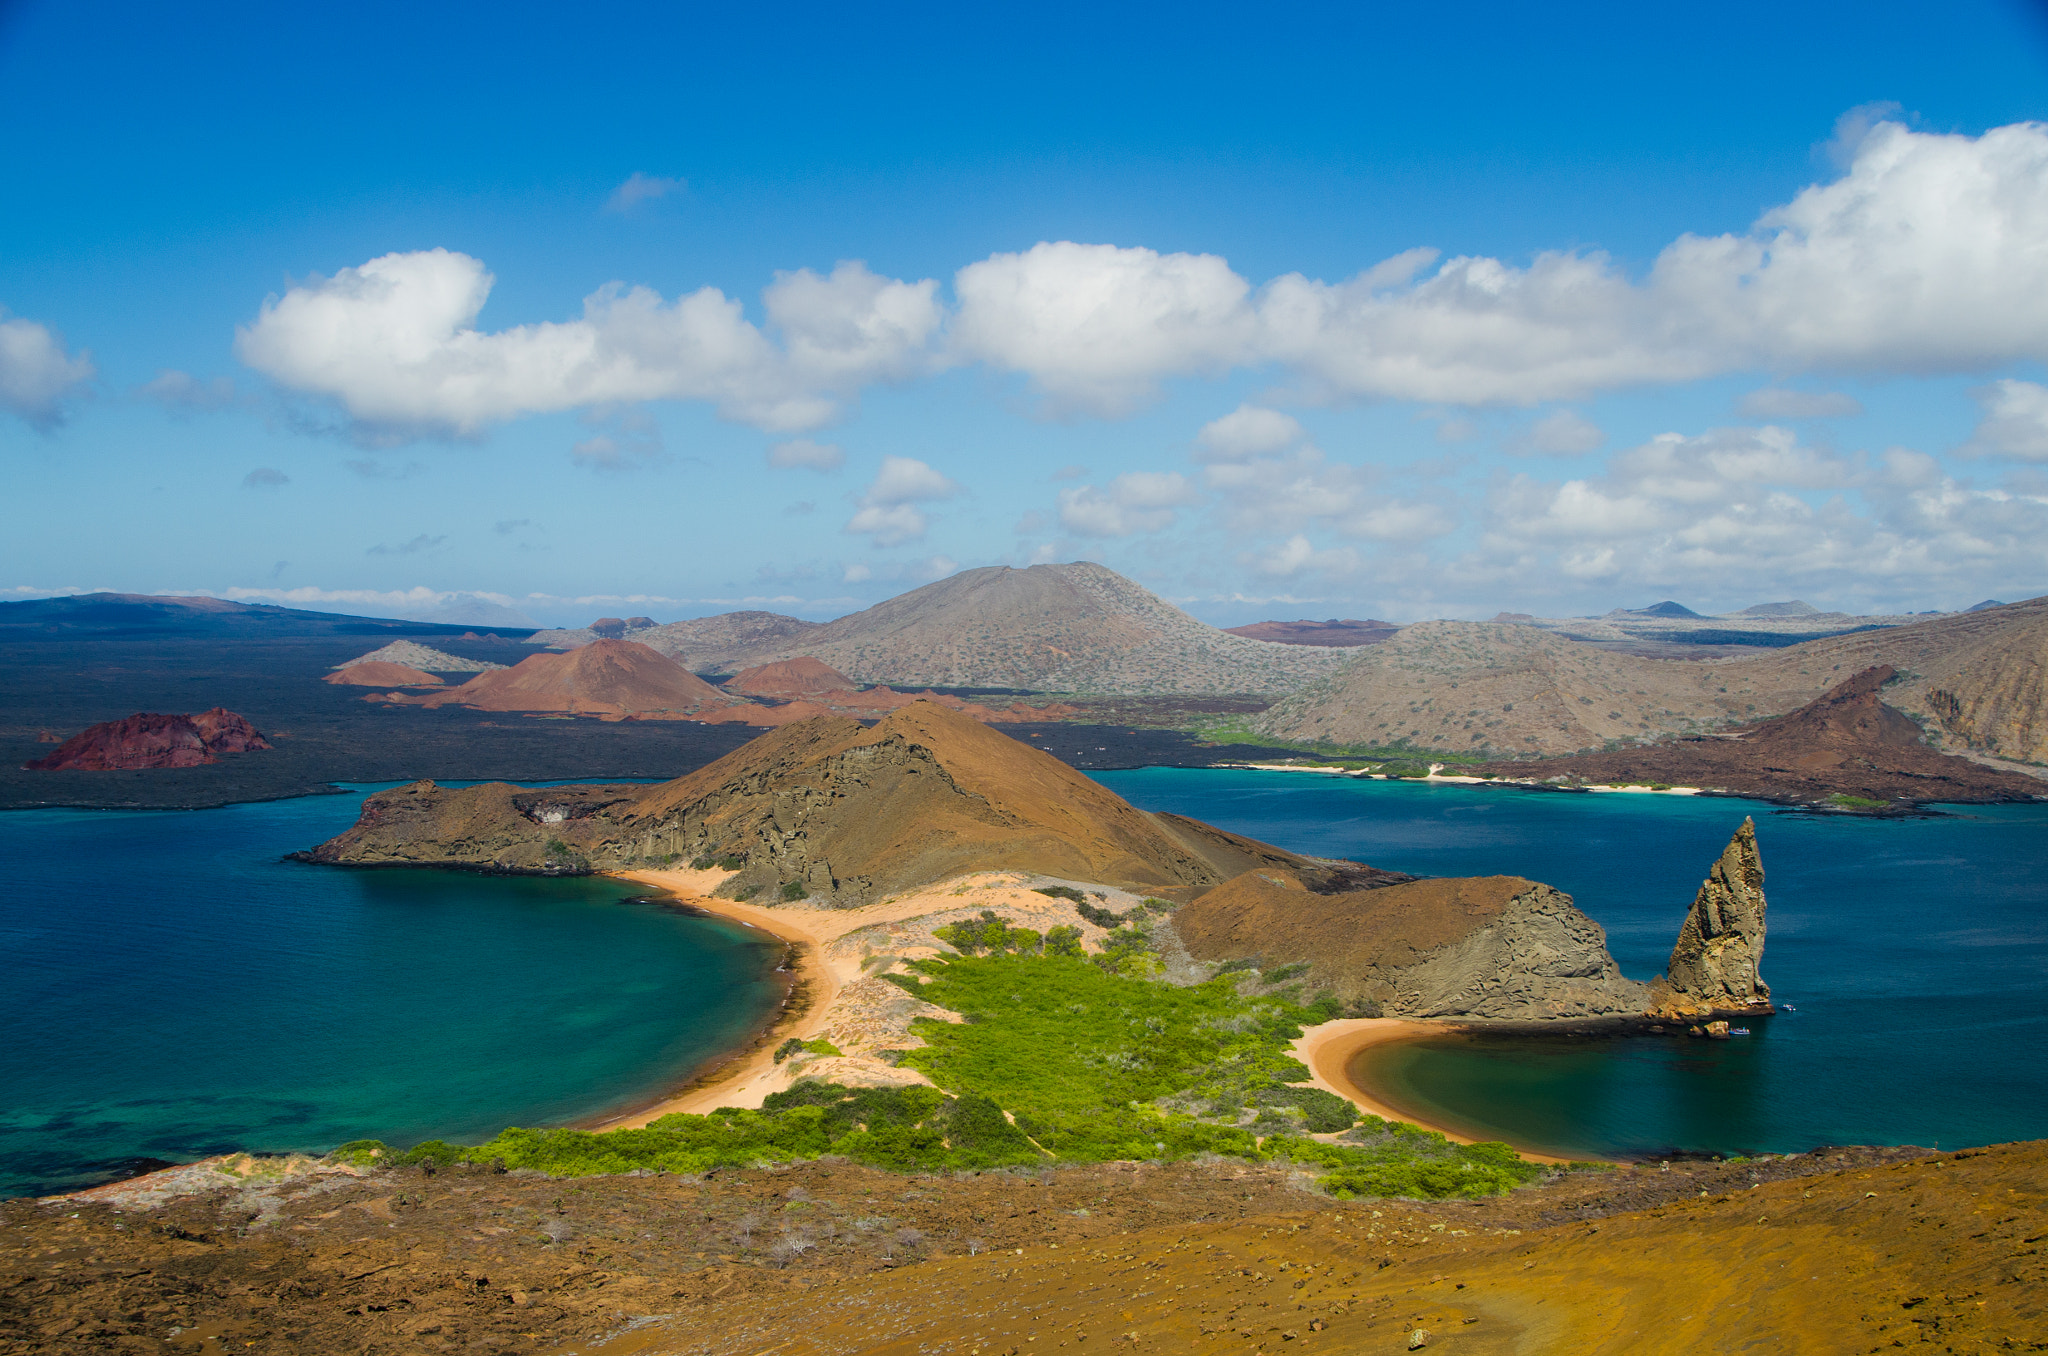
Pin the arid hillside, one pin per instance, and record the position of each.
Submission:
(825, 808)
(722, 644)
(1848, 742)
(1974, 679)
(1052, 628)
(1838, 1250)
(1337, 631)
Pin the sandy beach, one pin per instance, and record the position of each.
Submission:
(837, 993)
(1329, 1049)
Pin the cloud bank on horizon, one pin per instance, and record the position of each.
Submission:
(1925, 257)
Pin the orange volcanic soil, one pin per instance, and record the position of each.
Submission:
(605, 677)
(382, 673)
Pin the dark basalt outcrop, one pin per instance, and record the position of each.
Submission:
(1845, 743)
(151, 739)
(850, 813)
(1715, 967)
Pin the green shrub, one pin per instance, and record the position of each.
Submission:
(363, 1153)
(1064, 941)
(787, 1048)
(730, 863)
(1287, 972)
(704, 863)
(1062, 892)
(1231, 967)
(796, 890)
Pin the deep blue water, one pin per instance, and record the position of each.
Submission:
(1915, 950)
(170, 988)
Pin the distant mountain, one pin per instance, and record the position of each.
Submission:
(802, 677)
(725, 643)
(1977, 680)
(1666, 608)
(606, 677)
(1334, 632)
(1791, 609)
(1984, 606)
(414, 655)
(111, 615)
(1052, 628)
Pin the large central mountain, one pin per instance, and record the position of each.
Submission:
(1052, 628)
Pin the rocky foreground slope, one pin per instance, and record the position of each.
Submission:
(1977, 680)
(1839, 1250)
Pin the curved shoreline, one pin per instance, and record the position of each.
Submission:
(1330, 1049)
(743, 1075)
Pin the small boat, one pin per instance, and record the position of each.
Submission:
(1788, 1008)
(1738, 1031)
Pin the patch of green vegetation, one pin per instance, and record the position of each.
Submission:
(1085, 1058)
(1848, 802)
(906, 1129)
(1062, 892)
(1093, 1063)
(795, 890)
(703, 863)
(1358, 757)
(730, 863)
(560, 853)
(991, 932)
(1286, 972)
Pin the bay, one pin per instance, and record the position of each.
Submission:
(1914, 950)
(170, 988)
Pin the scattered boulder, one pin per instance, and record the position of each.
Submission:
(151, 740)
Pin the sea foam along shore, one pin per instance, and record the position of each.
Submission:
(825, 972)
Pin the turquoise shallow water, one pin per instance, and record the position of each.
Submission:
(1916, 952)
(170, 988)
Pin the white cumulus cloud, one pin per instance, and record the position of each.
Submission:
(36, 374)
(1247, 431)
(888, 509)
(394, 343)
(1097, 326)
(1139, 501)
(2015, 422)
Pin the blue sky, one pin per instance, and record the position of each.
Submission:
(1286, 310)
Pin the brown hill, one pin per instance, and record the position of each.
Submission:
(1052, 628)
(378, 673)
(605, 677)
(151, 740)
(1847, 742)
(1492, 947)
(843, 812)
(1977, 678)
(799, 677)
(1334, 632)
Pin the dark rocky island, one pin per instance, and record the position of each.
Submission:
(150, 739)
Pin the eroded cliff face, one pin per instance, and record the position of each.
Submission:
(1496, 947)
(1715, 967)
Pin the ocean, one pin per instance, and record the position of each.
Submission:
(1915, 952)
(170, 987)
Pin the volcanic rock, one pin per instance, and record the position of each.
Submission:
(152, 740)
(378, 673)
(1497, 947)
(852, 813)
(1714, 966)
(719, 644)
(605, 677)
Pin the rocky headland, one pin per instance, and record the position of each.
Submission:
(153, 740)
